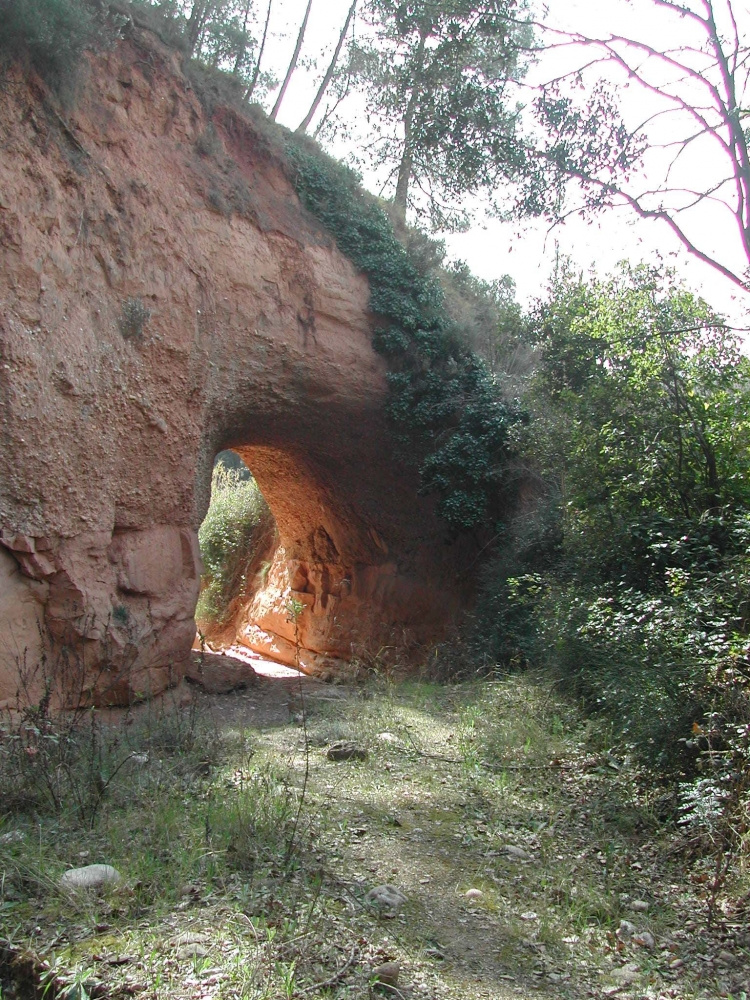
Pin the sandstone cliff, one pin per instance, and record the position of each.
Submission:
(163, 296)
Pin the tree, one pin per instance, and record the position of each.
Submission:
(225, 40)
(302, 127)
(261, 50)
(642, 398)
(436, 87)
(242, 48)
(699, 85)
(293, 61)
(639, 592)
(200, 13)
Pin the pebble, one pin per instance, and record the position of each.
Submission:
(645, 939)
(191, 951)
(626, 930)
(639, 906)
(529, 915)
(516, 852)
(90, 877)
(473, 893)
(346, 750)
(386, 898)
(626, 974)
(191, 937)
(387, 974)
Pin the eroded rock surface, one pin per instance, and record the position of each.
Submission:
(158, 303)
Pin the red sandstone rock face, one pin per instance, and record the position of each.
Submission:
(258, 338)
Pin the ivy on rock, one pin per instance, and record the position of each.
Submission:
(444, 401)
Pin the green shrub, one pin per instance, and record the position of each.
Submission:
(53, 35)
(236, 531)
(630, 575)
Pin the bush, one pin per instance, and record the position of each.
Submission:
(54, 34)
(235, 533)
(630, 575)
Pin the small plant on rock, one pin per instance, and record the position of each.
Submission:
(133, 318)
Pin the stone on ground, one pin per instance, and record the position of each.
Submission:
(346, 750)
(386, 898)
(90, 877)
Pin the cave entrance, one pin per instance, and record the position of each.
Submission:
(321, 544)
(279, 532)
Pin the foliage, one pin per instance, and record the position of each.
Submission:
(584, 142)
(435, 83)
(217, 35)
(489, 318)
(644, 397)
(689, 59)
(235, 532)
(54, 34)
(633, 582)
(443, 398)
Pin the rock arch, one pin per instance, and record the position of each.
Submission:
(252, 332)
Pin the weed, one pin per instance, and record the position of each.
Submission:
(218, 202)
(208, 143)
(212, 858)
(133, 317)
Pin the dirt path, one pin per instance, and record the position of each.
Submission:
(528, 861)
(521, 854)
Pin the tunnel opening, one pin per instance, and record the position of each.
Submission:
(281, 533)
(237, 538)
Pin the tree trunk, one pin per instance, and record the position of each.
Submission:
(243, 48)
(197, 22)
(401, 197)
(293, 63)
(302, 127)
(256, 71)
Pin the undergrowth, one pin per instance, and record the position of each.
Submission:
(497, 788)
(237, 530)
(53, 35)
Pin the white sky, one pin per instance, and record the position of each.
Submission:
(527, 252)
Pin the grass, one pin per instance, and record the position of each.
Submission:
(498, 786)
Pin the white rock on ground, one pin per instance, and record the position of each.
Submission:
(90, 877)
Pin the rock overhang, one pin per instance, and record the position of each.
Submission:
(256, 335)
